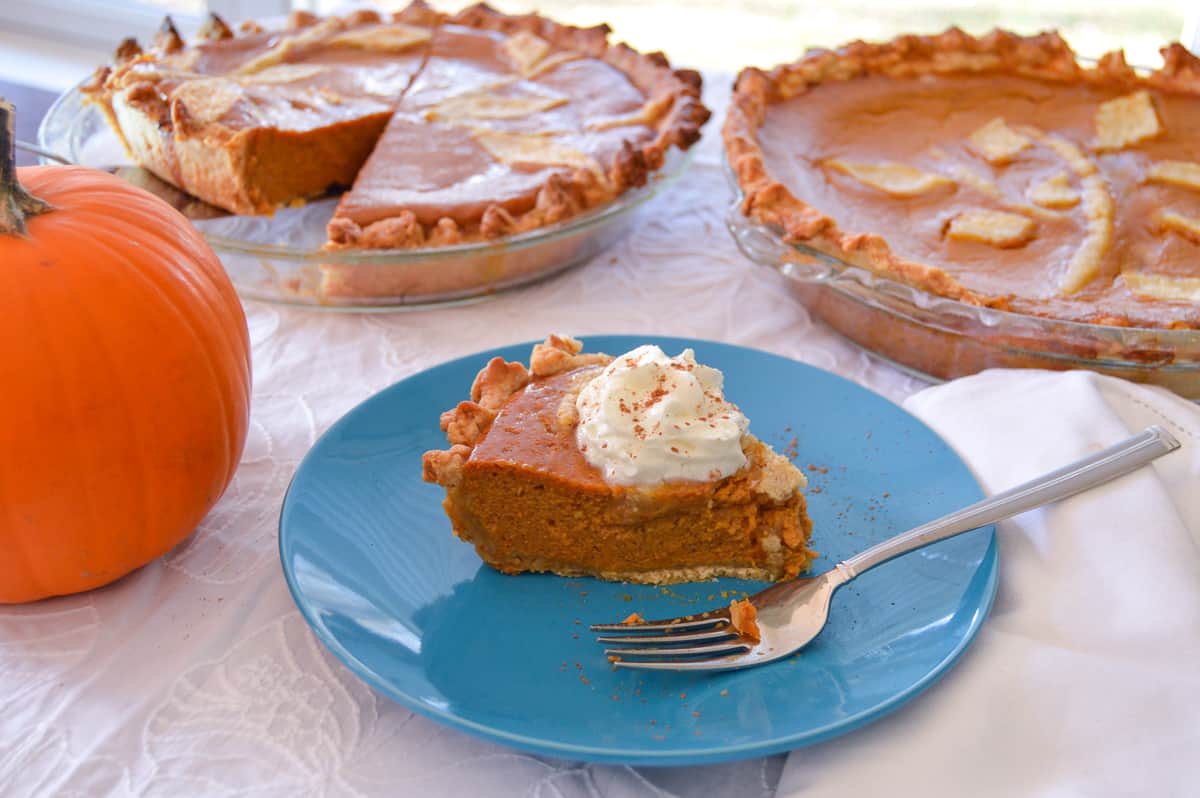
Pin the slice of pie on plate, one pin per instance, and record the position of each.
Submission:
(632, 468)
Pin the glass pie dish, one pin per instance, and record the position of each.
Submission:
(940, 339)
(280, 258)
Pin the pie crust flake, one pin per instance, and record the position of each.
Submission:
(997, 171)
(445, 129)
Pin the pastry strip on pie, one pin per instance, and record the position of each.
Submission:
(1186, 226)
(1185, 174)
(1162, 286)
(1126, 121)
(1055, 191)
(995, 228)
(998, 143)
(896, 179)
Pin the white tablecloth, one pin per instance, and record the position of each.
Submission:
(197, 676)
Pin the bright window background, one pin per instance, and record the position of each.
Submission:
(196, 7)
(55, 42)
(729, 34)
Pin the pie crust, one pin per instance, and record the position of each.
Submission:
(1095, 189)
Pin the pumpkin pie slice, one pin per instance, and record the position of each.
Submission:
(997, 171)
(632, 468)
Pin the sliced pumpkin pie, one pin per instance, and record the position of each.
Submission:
(471, 126)
(631, 468)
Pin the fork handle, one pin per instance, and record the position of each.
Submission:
(1113, 462)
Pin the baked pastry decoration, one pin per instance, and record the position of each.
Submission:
(632, 468)
(996, 171)
(445, 128)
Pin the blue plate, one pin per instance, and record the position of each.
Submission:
(373, 566)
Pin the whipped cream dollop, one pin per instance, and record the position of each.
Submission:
(647, 418)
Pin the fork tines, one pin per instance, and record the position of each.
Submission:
(676, 641)
(675, 624)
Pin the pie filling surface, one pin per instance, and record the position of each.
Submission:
(1001, 173)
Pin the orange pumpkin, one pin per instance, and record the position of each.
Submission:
(124, 378)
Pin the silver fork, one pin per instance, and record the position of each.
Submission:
(791, 613)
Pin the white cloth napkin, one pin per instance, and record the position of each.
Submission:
(1085, 679)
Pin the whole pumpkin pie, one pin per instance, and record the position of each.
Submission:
(997, 171)
(632, 468)
(445, 129)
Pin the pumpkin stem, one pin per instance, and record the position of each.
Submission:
(16, 204)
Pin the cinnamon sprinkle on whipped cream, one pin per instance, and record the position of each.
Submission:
(649, 418)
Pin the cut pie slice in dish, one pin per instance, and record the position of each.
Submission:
(255, 119)
(632, 468)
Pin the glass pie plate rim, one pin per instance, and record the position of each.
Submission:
(62, 131)
(805, 265)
